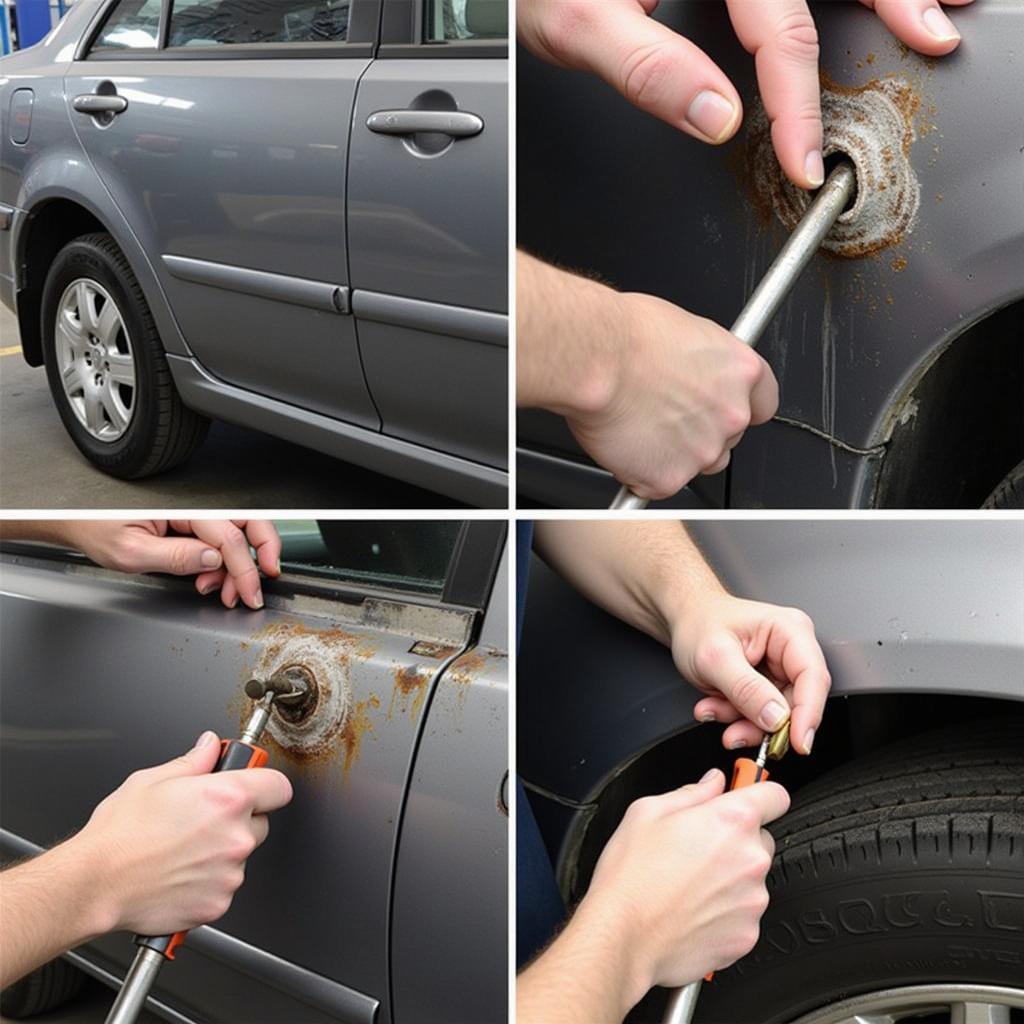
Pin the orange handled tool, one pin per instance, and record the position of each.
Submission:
(155, 950)
(683, 1001)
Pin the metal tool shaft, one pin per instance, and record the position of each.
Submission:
(682, 1003)
(784, 272)
(137, 984)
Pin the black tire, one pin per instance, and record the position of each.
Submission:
(905, 867)
(162, 431)
(1010, 493)
(52, 985)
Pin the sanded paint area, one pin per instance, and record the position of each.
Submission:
(234, 468)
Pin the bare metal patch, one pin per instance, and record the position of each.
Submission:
(874, 125)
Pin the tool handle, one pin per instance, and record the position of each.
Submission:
(785, 271)
(683, 1001)
(234, 756)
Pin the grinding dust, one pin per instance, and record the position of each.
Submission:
(874, 126)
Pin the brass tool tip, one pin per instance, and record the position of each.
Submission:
(778, 743)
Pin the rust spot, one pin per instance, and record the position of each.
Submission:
(870, 58)
(356, 727)
(873, 124)
(899, 264)
(409, 690)
(428, 649)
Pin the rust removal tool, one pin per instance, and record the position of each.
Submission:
(745, 772)
(155, 950)
(833, 197)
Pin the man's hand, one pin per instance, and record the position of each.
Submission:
(216, 551)
(746, 656)
(678, 891)
(654, 394)
(665, 74)
(169, 845)
(163, 853)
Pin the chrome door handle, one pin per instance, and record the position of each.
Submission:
(97, 103)
(456, 123)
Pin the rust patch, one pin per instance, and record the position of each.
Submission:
(409, 690)
(359, 724)
(874, 125)
(899, 264)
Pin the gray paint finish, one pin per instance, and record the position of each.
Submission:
(899, 607)
(431, 317)
(143, 666)
(854, 333)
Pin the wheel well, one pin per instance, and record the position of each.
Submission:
(852, 726)
(48, 229)
(960, 429)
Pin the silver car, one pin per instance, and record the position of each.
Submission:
(380, 895)
(289, 214)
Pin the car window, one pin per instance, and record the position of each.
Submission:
(131, 25)
(402, 555)
(455, 20)
(197, 23)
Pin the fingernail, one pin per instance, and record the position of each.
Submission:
(808, 740)
(709, 775)
(706, 716)
(738, 744)
(233, 602)
(711, 114)
(210, 559)
(279, 567)
(258, 599)
(814, 168)
(773, 714)
(205, 739)
(206, 590)
(939, 25)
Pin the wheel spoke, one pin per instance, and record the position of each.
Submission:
(116, 412)
(72, 379)
(122, 368)
(107, 325)
(93, 411)
(86, 298)
(69, 333)
(869, 1018)
(979, 1013)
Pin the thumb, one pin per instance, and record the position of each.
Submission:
(724, 667)
(712, 784)
(200, 760)
(181, 556)
(657, 70)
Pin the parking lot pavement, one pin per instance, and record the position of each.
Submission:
(90, 1007)
(234, 468)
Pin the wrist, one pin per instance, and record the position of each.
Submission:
(91, 907)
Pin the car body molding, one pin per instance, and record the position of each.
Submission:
(317, 991)
(330, 298)
(433, 317)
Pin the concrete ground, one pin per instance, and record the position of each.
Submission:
(234, 468)
(90, 1007)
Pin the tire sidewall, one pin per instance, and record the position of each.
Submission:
(84, 259)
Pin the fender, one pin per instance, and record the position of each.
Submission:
(899, 607)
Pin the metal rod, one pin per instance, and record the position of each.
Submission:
(682, 1003)
(794, 256)
(137, 984)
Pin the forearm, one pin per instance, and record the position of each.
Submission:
(584, 977)
(567, 335)
(49, 531)
(52, 903)
(646, 573)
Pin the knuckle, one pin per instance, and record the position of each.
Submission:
(746, 690)
(735, 418)
(746, 939)
(645, 73)
(178, 561)
(737, 816)
(749, 365)
(233, 536)
(709, 655)
(643, 809)
(797, 37)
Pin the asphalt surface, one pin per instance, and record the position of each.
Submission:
(90, 1007)
(234, 468)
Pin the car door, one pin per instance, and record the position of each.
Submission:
(428, 225)
(221, 129)
(388, 620)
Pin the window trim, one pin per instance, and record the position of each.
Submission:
(401, 37)
(368, 23)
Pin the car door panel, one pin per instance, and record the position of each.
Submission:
(240, 164)
(432, 226)
(140, 670)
